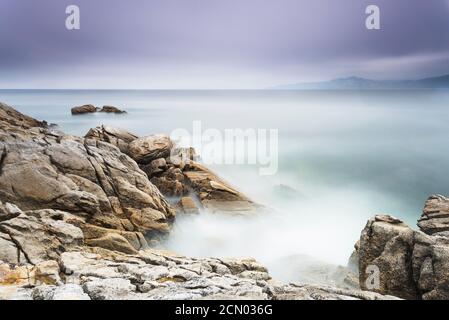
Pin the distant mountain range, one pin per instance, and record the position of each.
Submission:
(367, 84)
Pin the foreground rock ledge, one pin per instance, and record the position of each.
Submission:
(99, 274)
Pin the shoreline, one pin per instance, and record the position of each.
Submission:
(71, 206)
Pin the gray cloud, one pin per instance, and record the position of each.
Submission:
(217, 43)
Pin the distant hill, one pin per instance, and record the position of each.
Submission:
(367, 84)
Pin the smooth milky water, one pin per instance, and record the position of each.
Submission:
(343, 157)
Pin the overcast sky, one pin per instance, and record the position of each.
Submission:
(217, 43)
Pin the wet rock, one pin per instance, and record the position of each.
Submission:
(112, 109)
(87, 108)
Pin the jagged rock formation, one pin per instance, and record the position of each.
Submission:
(87, 108)
(412, 264)
(176, 172)
(114, 203)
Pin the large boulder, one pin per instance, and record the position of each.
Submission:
(387, 244)
(87, 108)
(146, 149)
(411, 264)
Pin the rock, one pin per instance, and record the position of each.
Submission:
(63, 292)
(175, 173)
(11, 275)
(435, 217)
(387, 244)
(317, 292)
(41, 235)
(115, 136)
(46, 272)
(15, 293)
(171, 183)
(110, 289)
(111, 109)
(411, 264)
(188, 206)
(8, 211)
(156, 166)
(88, 181)
(146, 149)
(100, 274)
(216, 195)
(11, 117)
(87, 108)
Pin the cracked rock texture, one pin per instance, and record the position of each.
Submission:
(176, 172)
(98, 188)
(412, 264)
(100, 274)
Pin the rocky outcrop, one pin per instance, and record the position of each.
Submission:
(111, 109)
(411, 264)
(114, 203)
(115, 136)
(87, 108)
(435, 217)
(177, 173)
